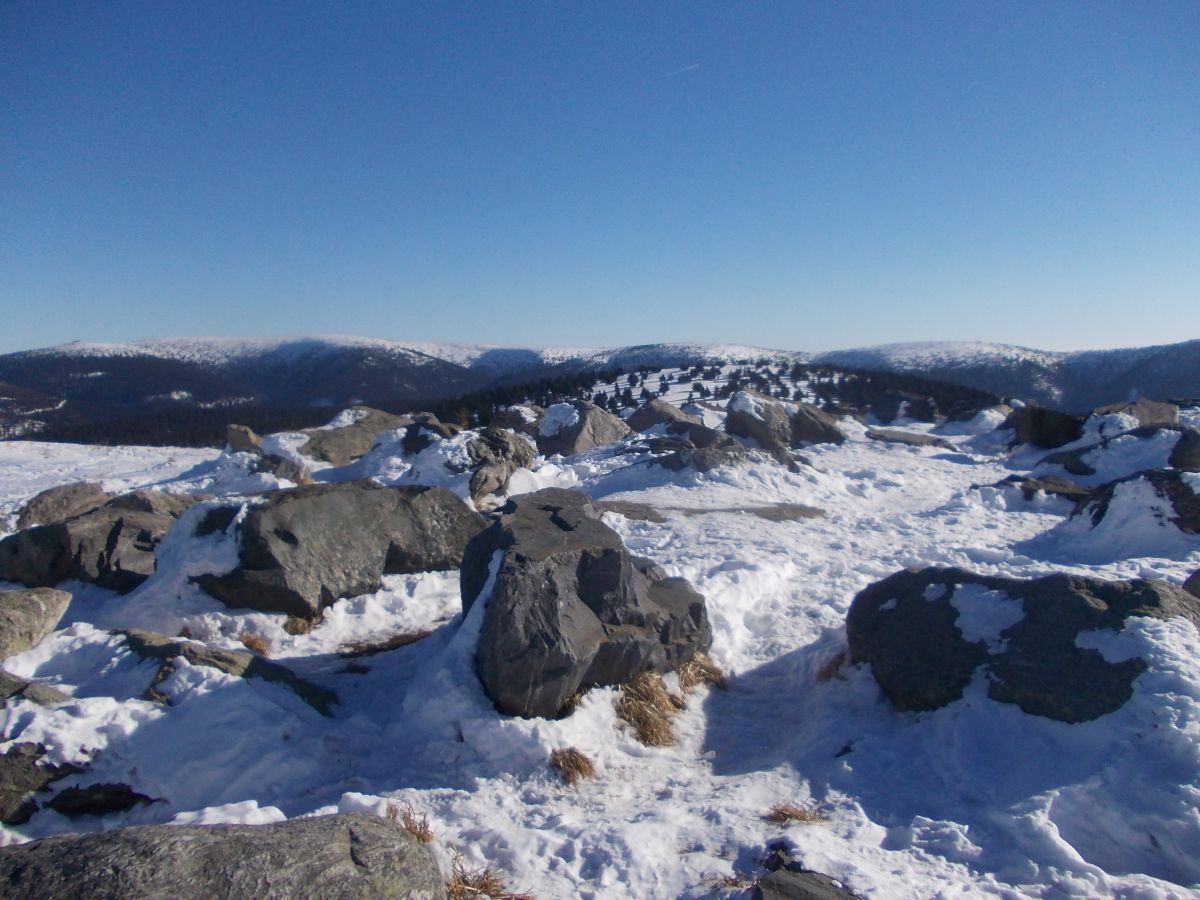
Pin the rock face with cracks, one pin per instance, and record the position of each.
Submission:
(570, 607)
(911, 632)
(337, 857)
(304, 548)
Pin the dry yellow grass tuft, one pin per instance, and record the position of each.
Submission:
(572, 765)
(700, 670)
(790, 813)
(467, 884)
(647, 707)
(395, 642)
(255, 643)
(416, 824)
(295, 625)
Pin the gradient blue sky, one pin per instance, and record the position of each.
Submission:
(797, 175)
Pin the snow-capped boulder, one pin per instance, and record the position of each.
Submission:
(523, 418)
(568, 606)
(1145, 412)
(62, 502)
(788, 879)
(909, 438)
(424, 431)
(342, 444)
(578, 426)
(495, 454)
(302, 549)
(811, 425)
(925, 634)
(1042, 427)
(26, 617)
(345, 856)
(763, 420)
(111, 547)
(656, 411)
(1168, 496)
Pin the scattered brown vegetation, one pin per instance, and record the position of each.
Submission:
(647, 707)
(395, 642)
(700, 670)
(790, 813)
(296, 625)
(831, 667)
(255, 643)
(415, 823)
(734, 882)
(572, 765)
(467, 884)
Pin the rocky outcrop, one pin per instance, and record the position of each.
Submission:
(1167, 484)
(811, 425)
(910, 438)
(522, 418)
(787, 879)
(768, 423)
(424, 431)
(23, 772)
(495, 454)
(57, 504)
(701, 448)
(1185, 455)
(238, 663)
(341, 446)
(1147, 412)
(27, 617)
(1051, 485)
(570, 607)
(655, 412)
(158, 502)
(111, 547)
(304, 548)
(1046, 428)
(925, 633)
(35, 692)
(344, 857)
(243, 439)
(576, 427)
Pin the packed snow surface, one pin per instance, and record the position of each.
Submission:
(976, 799)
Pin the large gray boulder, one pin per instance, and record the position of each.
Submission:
(340, 857)
(496, 453)
(1168, 484)
(570, 607)
(656, 411)
(811, 425)
(304, 548)
(925, 633)
(523, 418)
(57, 504)
(341, 446)
(1147, 412)
(26, 617)
(1046, 428)
(589, 427)
(763, 420)
(111, 547)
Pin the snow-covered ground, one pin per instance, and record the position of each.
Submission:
(976, 799)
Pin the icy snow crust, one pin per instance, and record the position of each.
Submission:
(976, 799)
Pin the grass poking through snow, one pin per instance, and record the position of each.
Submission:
(700, 670)
(468, 884)
(647, 707)
(572, 765)
(790, 814)
(255, 643)
(415, 823)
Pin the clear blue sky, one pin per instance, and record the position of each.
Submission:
(799, 175)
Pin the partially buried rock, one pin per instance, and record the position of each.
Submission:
(96, 800)
(158, 502)
(656, 411)
(1146, 412)
(911, 438)
(1186, 454)
(27, 617)
(424, 431)
(496, 453)
(57, 504)
(243, 439)
(35, 692)
(341, 446)
(23, 772)
(787, 879)
(578, 426)
(1043, 427)
(304, 548)
(345, 857)
(701, 448)
(569, 607)
(1192, 585)
(1170, 487)
(522, 418)
(111, 547)
(925, 633)
(1050, 485)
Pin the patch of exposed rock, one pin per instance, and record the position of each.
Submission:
(496, 453)
(23, 773)
(59, 503)
(522, 418)
(695, 446)
(656, 411)
(576, 427)
(768, 423)
(910, 628)
(342, 446)
(787, 879)
(1168, 484)
(569, 607)
(910, 438)
(27, 617)
(342, 857)
(1185, 455)
(304, 548)
(1147, 412)
(1051, 485)
(33, 691)
(1042, 427)
(238, 663)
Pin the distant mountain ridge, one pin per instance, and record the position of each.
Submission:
(81, 381)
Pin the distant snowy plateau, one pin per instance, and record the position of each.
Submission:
(909, 706)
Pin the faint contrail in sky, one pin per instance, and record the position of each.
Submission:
(690, 68)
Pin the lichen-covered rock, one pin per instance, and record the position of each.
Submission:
(341, 857)
(570, 607)
(304, 548)
(111, 547)
(57, 504)
(925, 633)
(578, 426)
(27, 617)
